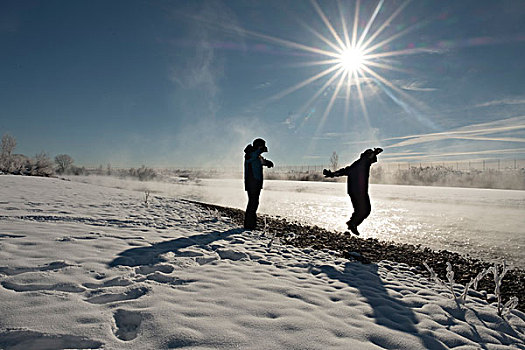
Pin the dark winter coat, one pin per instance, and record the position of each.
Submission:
(253, 172)
(358, 174)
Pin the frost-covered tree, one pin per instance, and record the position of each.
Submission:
(42, 165)
(18, 164)
(7, 148)
(63, 162)
(334, 161)
(8, 144)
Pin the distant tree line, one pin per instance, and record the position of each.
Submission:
(63, 164)
(447, 176)
(434, 175)
(142, 174)
(19, 164)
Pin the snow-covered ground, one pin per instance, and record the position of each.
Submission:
(85, 266)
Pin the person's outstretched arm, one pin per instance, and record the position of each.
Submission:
(341, 172)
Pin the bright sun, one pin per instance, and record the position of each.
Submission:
(352, 59)
(351, 56)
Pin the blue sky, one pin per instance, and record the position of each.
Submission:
(190, 83)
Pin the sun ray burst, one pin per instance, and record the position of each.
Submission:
(385, 24)
(356, 21)
(304, 83)
(385, 66)
(362, 101)
(370, 22)
(347, 95)
(322, 89)
(327, 23)
(343, 24)
(332, 100)
(322, 37)
(289, 43)
(315, 63)
(353, 58)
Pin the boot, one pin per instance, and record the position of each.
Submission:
(352, 227)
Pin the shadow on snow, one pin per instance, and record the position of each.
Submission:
(152, 255)
(386, 310)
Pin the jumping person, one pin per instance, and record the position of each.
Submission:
(358, 174)
(253, 179)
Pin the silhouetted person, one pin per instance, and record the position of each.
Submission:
(358, 174)
(253, 179)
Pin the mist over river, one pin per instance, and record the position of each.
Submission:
(485, 223)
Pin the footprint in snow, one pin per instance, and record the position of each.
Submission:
(172, 280)
(26, 339)
(115, 282)
(10, 235)
(55, 265)
(148, 269)
(59, 287)
(106, 298)
(127, 324)
(231, 254)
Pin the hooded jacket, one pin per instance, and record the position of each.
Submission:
(358, 174)
(253, 172)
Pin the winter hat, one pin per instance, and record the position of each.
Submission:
(259, 143)
(367, 153)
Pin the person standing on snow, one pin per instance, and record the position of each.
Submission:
(253, 179)
(358, 174)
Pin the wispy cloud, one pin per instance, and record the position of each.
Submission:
(219, 142)
(295, 118)
(502, 102)
(264, 85)
(420, 156)
(417, 86)
(201, 67)
(369, 142)
(470, 132)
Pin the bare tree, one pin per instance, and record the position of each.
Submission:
(42, 165)
(18, 164)
(334, 161)
(8, 145)
(63, 162)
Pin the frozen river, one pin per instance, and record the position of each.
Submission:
(484, 223)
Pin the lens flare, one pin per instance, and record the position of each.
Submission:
(351, 56)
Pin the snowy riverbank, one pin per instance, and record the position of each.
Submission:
(83, 266)
(369, 250)
(452, 219)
